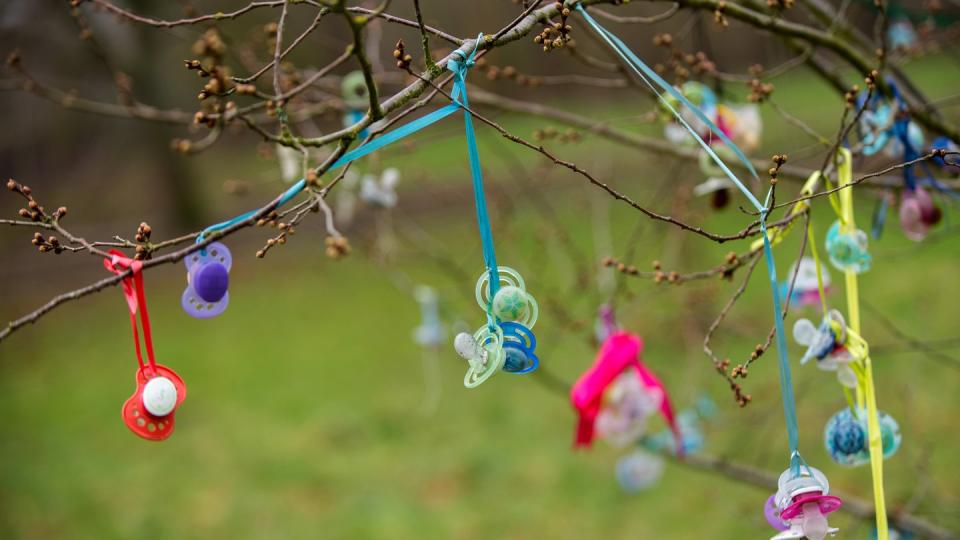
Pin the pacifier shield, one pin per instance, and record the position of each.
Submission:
(135, 412)
(772, 513)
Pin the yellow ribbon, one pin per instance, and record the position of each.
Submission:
(842, 203)
(866, 393)
(777, 234)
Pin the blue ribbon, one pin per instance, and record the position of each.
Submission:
(646, 75)
(459, 68)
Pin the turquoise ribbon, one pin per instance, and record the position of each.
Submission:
(459, 68)
(646, 75)
(459, 65)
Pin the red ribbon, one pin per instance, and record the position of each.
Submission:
(620, 351)
(136, 301)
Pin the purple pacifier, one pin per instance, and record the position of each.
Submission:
(772, 513)
(208, 275)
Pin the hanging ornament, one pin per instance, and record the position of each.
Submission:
(772, 514)
(356, 97)
(803, 501)
(381, 191)
(905, 133)
(208, 276)
(806, 289)
(431, 332)
(690, 427)
(605, 324)
(638, 471)
(616, 396)
(508, 342)
(845, 437)
(149, 412)
(847, 249)
(901, 36)
(875, 126)
(701, 96)
(627, 405)
(291, 163)
(918, 213)
(828, 344)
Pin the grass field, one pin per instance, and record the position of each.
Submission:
(304, 417)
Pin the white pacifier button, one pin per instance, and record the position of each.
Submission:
(466, 346)
(159, 396)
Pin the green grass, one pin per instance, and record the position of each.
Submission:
(304, 415)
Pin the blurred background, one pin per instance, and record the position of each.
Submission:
(313, 412)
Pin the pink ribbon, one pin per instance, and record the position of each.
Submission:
(620, 351)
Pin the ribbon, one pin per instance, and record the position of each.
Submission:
(459, 68)
(865, 388)
(133, 291)
(647, 75)
(620, 351)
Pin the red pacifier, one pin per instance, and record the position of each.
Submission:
(149, 412)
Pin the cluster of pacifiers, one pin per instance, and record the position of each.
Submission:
(799, 507)
(847, 440)
(885, 127)
(507, 341)
(742, 123)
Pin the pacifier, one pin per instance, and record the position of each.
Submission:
(745, 122)
(692, 439)
(918, 213)
(847, 436)
(356, 96)
(772, 514)
(519, 344)
(430, 333)
(638, 471)
(806, 290)
(208, 275)
(875, 128)
(804, 501)
(889, 434)
(827, 343)
(846, 439)
(507, 341)
(381, 191)
(149, 412)
(911, 132)
(483, 351)
(848, 250)
(901, 35)
(626, 406)
(354, 90)
(717, 185)
(512, 302)
(291, 163)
